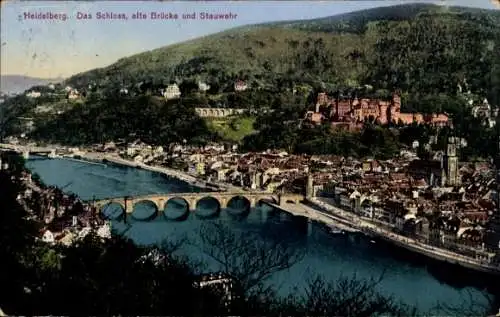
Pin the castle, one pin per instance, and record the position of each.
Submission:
(353, 112)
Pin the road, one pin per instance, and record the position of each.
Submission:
(374, 229)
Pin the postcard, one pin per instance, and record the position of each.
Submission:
(313, 158)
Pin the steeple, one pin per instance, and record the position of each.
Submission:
(451, 162)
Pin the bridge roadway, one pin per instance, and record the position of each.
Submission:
(28, 149)
(191, 199)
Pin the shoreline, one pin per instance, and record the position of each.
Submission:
(90, 157)
(357, 224)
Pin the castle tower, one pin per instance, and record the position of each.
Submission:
(383, 114)
(451, 163)
(396, 102)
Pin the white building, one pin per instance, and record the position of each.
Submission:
(104, 231)
(51, 86)
(33, 94)
(203, 87)
(48, 237)
(158, 150)
(172, 92)
(73, 94)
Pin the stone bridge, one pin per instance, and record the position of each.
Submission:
(27, 150)
(217, 112)
(192, 199)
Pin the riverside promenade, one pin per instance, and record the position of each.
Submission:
(349, 222)
(190, 179)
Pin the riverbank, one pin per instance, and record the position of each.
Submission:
(114, 159)
(352, 223)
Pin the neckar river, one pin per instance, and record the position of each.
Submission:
(415, 282)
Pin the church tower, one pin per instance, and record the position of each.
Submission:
(451, 163)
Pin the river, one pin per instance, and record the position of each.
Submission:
(415, 282)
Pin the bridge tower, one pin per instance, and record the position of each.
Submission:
(309, 186)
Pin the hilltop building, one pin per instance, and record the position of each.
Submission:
(33, 94)
(203, 87)
(172, 92)
(352, 112)
(240, 86)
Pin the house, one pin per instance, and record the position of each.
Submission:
(33, 94)
(203, 87)
(348, 198)
(51, 86)
(73, 94)
(138, 159)
(48, 237)
(172, 92)
(240, 86)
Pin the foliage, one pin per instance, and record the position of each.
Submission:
(232, 129)
(120, 117)
(423, 50)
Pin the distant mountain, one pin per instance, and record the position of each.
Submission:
(18, 83)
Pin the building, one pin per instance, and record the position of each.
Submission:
(203, 87)
(450, 163)
(33, 94)
(354, 111)
(172, 92)
(492, 235)
(240, 86)
(73, 94)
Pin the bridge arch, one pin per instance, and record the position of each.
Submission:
(240, 205)
(270, 199)
(207, 207)
(177, 208)
(140, 213)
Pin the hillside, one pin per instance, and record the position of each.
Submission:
(11, 84)
(387, 47)
(425, 51)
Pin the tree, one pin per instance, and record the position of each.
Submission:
(248, 260)
(348, 296)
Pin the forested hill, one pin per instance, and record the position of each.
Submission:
(414, 47)
(356, 22)
(426, 51)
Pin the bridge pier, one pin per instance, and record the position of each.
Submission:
(223, 203)
(26, 155)
(192, 204)
(309, 227)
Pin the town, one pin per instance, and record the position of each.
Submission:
(250, 171)
(440, 202)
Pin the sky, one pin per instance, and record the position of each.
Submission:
(55, 48)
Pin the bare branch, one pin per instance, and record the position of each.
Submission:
(247, 258)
